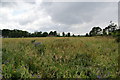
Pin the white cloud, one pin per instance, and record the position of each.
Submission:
(77, 18)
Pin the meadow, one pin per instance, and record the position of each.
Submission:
(60, 57)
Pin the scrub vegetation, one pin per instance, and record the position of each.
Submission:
(60, 57)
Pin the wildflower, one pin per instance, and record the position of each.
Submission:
(0, 76)
(18, 69)
(38, 76)
(33, 75)
(98, 76)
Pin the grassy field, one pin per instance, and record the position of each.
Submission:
(60, 57)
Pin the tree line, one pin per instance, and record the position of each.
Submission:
(110, 30)
(20, 33)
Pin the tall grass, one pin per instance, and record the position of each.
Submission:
(74, 57)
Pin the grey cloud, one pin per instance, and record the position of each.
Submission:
(67, 14)
(8, 4)
(119, 14)
(73, 12)
(14, 4)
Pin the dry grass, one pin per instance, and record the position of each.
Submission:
(60, 57)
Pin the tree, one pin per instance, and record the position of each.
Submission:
(86, 34)
(45, 34)
(110, 29)
(51, 33)
(39, 34)
(5, 32)
(14, 33)
(104, 31)
(73, 35)
(55, 33)
(68, 34)
(63, 34)
(95, 31)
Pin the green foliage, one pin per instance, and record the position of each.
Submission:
(32, 41)
(95, 31)
(40, 49)
(64, 57)
(87, 35)
(45, 34)
(63, 34)
(14, 33)
(68, 35)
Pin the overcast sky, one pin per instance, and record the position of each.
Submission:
(74, 17)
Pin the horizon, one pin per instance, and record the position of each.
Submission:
(73, 17)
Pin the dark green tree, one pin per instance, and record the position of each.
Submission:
(110, 29)
(55, 33)
(51, 33)
(45, 34)
(39, 34)
(63, 34)
(14, 33)
(73, 35)
(68, 34)
(86, 35)
(105, 31)
(5, 32)
(95, 31)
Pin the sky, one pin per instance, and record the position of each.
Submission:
(75, 17)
